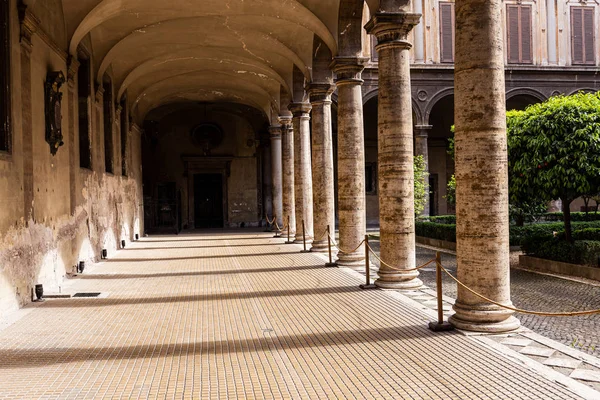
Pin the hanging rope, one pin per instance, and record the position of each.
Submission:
(519, 310)
(396, 268)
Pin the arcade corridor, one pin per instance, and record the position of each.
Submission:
(232, 314)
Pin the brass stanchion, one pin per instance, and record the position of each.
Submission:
(288, 232)
(367, 285)
(330, 263)
(304, 239)
(440, 325)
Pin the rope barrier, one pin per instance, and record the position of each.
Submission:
(519, 310)
(343, 251)
(400, 269)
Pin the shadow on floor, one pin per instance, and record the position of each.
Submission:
(201, 247)
(116, 301)
(118, 276)
(26, 358)
(116, 260)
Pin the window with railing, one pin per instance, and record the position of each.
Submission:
(446, 32)
(519, 34)
(582, 35)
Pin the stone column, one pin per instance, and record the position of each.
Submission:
(395, 152)
(287, 160)
(267, 182)
(422, 149)
(481, 169)
(351, 162)
(303, 188)
(322, 163)
(276, 174)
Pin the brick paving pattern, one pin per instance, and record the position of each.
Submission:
(240, 315)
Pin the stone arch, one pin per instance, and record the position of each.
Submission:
(586, 90)
(417, 113)
(434, 100)
(350, 28)
(521, 98)
(526, 92)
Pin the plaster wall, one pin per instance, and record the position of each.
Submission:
(42, 247)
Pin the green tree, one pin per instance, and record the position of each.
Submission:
(421, 184)
(554, 151)
(451, 191)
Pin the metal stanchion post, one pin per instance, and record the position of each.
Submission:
(440, 325)
(330, 263)
(367, 285)
(304, 239)
(288, 231)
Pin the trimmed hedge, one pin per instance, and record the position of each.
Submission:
(585, 252)
(519, 233)
(435, 230)
(443, 219)
(575, 216)
(581, 231)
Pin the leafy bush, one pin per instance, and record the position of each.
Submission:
(421, 184)
(434, 230)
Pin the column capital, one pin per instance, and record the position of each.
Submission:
(28, 24)
(391, 29)
(422, 129)
(300, 109)
(320, 93)
(285, 121)
(348, 70)
(275, 132)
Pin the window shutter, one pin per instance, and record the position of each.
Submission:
(576, 35)
(447, 32)
(526, 49)
(588, 36)
(512, 16)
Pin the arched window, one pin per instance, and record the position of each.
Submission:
(5, 132)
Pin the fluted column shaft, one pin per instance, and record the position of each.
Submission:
(302, 171)
(482, 237)
(395, 153)
(351, 162)
(287, 159)
(322, 163)
(276, 174)
(422, 149)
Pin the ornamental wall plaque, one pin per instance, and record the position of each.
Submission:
(52, 100)
(207, 137)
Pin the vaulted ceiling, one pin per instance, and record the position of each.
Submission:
(242, 51)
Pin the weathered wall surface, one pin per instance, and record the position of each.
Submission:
(42, 240)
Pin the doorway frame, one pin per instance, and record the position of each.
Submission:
(206, 165)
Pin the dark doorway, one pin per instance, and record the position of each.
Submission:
(208, 200)
(433, 191)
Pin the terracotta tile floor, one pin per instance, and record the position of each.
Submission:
(241, 315)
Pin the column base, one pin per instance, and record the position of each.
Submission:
(320, 246)
(301, 241)
(355, 261)
(398, 279)
(483, 318)
(394, 284)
